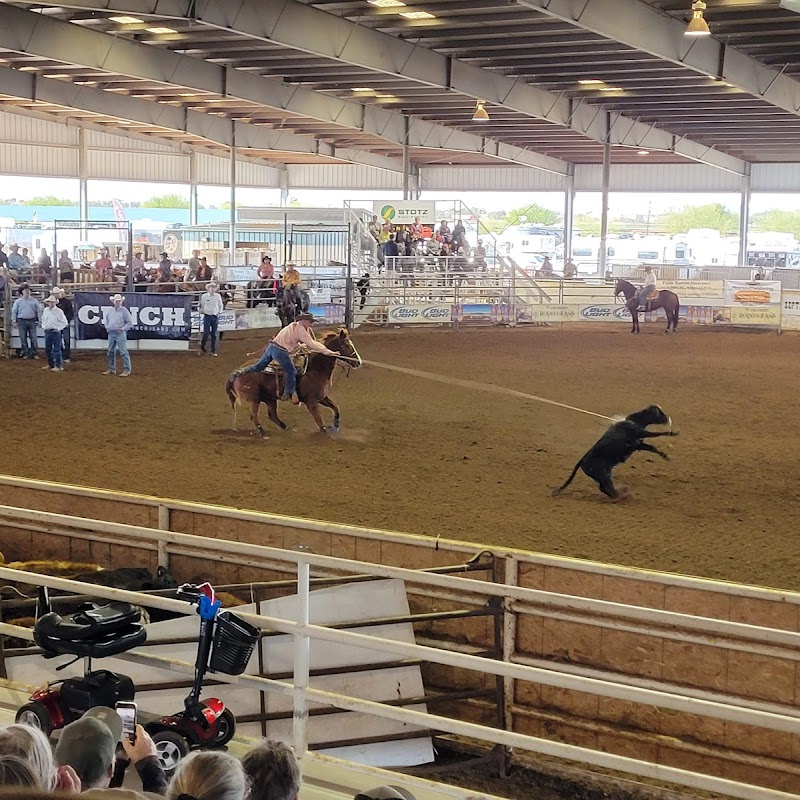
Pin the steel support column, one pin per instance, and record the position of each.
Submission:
(406, 163)
(83, 182)
(744, 219)
(232, 232)
(601, 264)
(569, 210)
(193, 188)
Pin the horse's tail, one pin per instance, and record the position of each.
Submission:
(231, 396)
(569, 480)
(677, 313)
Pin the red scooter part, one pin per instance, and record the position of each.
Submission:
(43, 711)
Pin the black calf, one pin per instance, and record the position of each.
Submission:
(617, 445)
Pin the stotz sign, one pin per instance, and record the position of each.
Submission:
(404, 212)
(155, 316)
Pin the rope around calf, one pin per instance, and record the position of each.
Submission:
(484, 387)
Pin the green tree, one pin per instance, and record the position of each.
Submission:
(587, 224)
(48, 200)
(776, 219)
(534, 213)
(166, 201)
(715, 216)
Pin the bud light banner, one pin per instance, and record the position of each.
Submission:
(155, 316)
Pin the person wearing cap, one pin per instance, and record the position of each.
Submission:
(210, 307)
(282, 347)
(25, 313)
(292, 281)
(164, 269)
(65, 304)
(89, 746)
(53, 322)
(15, 261)
(117, 322)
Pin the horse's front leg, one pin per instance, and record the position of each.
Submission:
(328, 403)
(313, 409)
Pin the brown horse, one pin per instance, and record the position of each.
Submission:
(312, 388)
(664, 299)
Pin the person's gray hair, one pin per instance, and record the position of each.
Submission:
(209, 775)
(273, 771)
(33, 747)
(16, 771)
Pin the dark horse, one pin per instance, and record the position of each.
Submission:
(313, 388)
(290, 303)
(664, 299)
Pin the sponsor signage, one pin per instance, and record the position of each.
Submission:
(155, 316)
(604, 313)
(428, 313)
(547, 312)
(769, 315)
(403, 212)
(693, 288)
(752, 293)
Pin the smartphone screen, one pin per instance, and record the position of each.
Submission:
(127, 713)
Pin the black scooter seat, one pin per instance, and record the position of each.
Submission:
(109, 645)
(89, 622)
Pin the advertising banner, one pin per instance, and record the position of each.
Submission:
(155, 316)
(328, 314)
(790, 310)
(693, 288)
(752, 293)
(403, 212)
(756, 315)
(549, 312)
(604, 313)
(473, 312)
(427, 313)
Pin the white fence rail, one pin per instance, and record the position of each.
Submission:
(519, 604)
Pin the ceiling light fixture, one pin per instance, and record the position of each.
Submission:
(127, 20)
(591, 82)
(611, 89)
(57, 75)
(386, 3)
(644, 153)
(28, 69)
(417, 15)
(161, 30)
(363, 90)
(697, 25)
(479, 114)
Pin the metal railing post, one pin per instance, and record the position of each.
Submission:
(302, 649)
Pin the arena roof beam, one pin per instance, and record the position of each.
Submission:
(647, 29)
(221, 131)
(35, 34)
(293, 24)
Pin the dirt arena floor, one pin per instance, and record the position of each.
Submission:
(427, 457)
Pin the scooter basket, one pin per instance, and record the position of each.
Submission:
(234, 641)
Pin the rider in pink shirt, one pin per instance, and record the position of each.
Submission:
(280, 349)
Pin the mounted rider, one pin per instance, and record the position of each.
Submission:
(282, 347)
(650, 288)
(292, 282)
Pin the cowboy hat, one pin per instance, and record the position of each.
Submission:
(58, 291)
(305, 317)
(51, 299)
(115, 297)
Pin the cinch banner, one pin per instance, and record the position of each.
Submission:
(155, 316)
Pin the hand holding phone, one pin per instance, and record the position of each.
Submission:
(127, 713)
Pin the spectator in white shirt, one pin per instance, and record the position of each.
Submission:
(210, 307)
(53, 322)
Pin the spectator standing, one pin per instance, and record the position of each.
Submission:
(363, 288)
(416, 230)
(444, 228)
(117, 322)
(25, 312)
(66, 268)
(209, 775)
(375, 228)
(459, 234)
(390, 248)
(547, 267)
(273, 771)
(103, 266)
(386, 232)
(26, 257)
(15, 261)
(45, 265)
(53, 322)
(65, 304)
(570, 270)
(3, 256)
(210, 307)
(205, 273)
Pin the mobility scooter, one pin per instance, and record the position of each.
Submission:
(225, 645)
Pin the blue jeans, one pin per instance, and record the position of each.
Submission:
(27, 333)
(284, 359)
(52, 345)
(118, 343)
(648, 293)
(65, 344)
(210, 325)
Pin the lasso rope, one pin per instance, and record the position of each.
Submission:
(484, 387)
